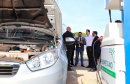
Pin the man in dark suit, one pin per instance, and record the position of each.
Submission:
(96, 51)
(80, 42)
(72, 57)
(69, 47)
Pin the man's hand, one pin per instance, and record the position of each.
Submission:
(80, 42)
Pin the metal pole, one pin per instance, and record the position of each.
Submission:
(110, 16)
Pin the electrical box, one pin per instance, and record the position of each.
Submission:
(112, 55)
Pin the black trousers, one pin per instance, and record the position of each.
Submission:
(72, 57)
(94, 63)
(89, 54)
(69, 54)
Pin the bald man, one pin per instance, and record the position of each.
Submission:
(69, 47)
(67, 33)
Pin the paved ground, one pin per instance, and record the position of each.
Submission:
(81, 75)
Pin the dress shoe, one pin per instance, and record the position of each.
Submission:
(75, 65)
(69, 69)
(88, 66)
(72, 64)
(93, 69)
(82, 66)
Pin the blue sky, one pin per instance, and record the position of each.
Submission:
(86, 14)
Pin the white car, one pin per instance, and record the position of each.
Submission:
(30, 52)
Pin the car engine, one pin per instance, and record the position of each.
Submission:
(21, 53)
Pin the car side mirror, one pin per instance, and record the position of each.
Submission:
(69, 41)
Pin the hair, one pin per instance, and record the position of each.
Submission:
(101, 36)
(68, 28)
(95, 32)
(88, 30)
(118, 21)
(80, 32)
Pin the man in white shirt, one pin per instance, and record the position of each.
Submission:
(89, 40)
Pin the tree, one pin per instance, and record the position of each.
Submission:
(83, 34)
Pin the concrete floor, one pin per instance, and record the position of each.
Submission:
(81, 75)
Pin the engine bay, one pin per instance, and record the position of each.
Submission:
(22, 53)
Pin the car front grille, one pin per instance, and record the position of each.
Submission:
(8, 68)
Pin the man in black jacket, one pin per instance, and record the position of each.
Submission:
(96, 51)
(72, 57)
(69, 47)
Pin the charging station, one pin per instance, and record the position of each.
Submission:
(112, 55)
(115, 59)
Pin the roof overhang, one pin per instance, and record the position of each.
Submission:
(114, 4)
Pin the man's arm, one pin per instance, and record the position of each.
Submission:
(96, 42)
(76, 41)
(84, 41)
(63, 37)
(71, 35)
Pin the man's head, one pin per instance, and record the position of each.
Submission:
(69, 29)
(101, 37)
(87, 32)
(80, 34)
(94, 33)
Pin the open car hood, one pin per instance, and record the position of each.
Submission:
(19, 12)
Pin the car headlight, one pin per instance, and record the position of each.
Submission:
(43, 60)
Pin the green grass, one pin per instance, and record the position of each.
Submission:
(84, 54)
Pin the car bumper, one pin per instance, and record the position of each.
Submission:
(52, 75)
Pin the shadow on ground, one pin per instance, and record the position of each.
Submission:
(81, 75)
